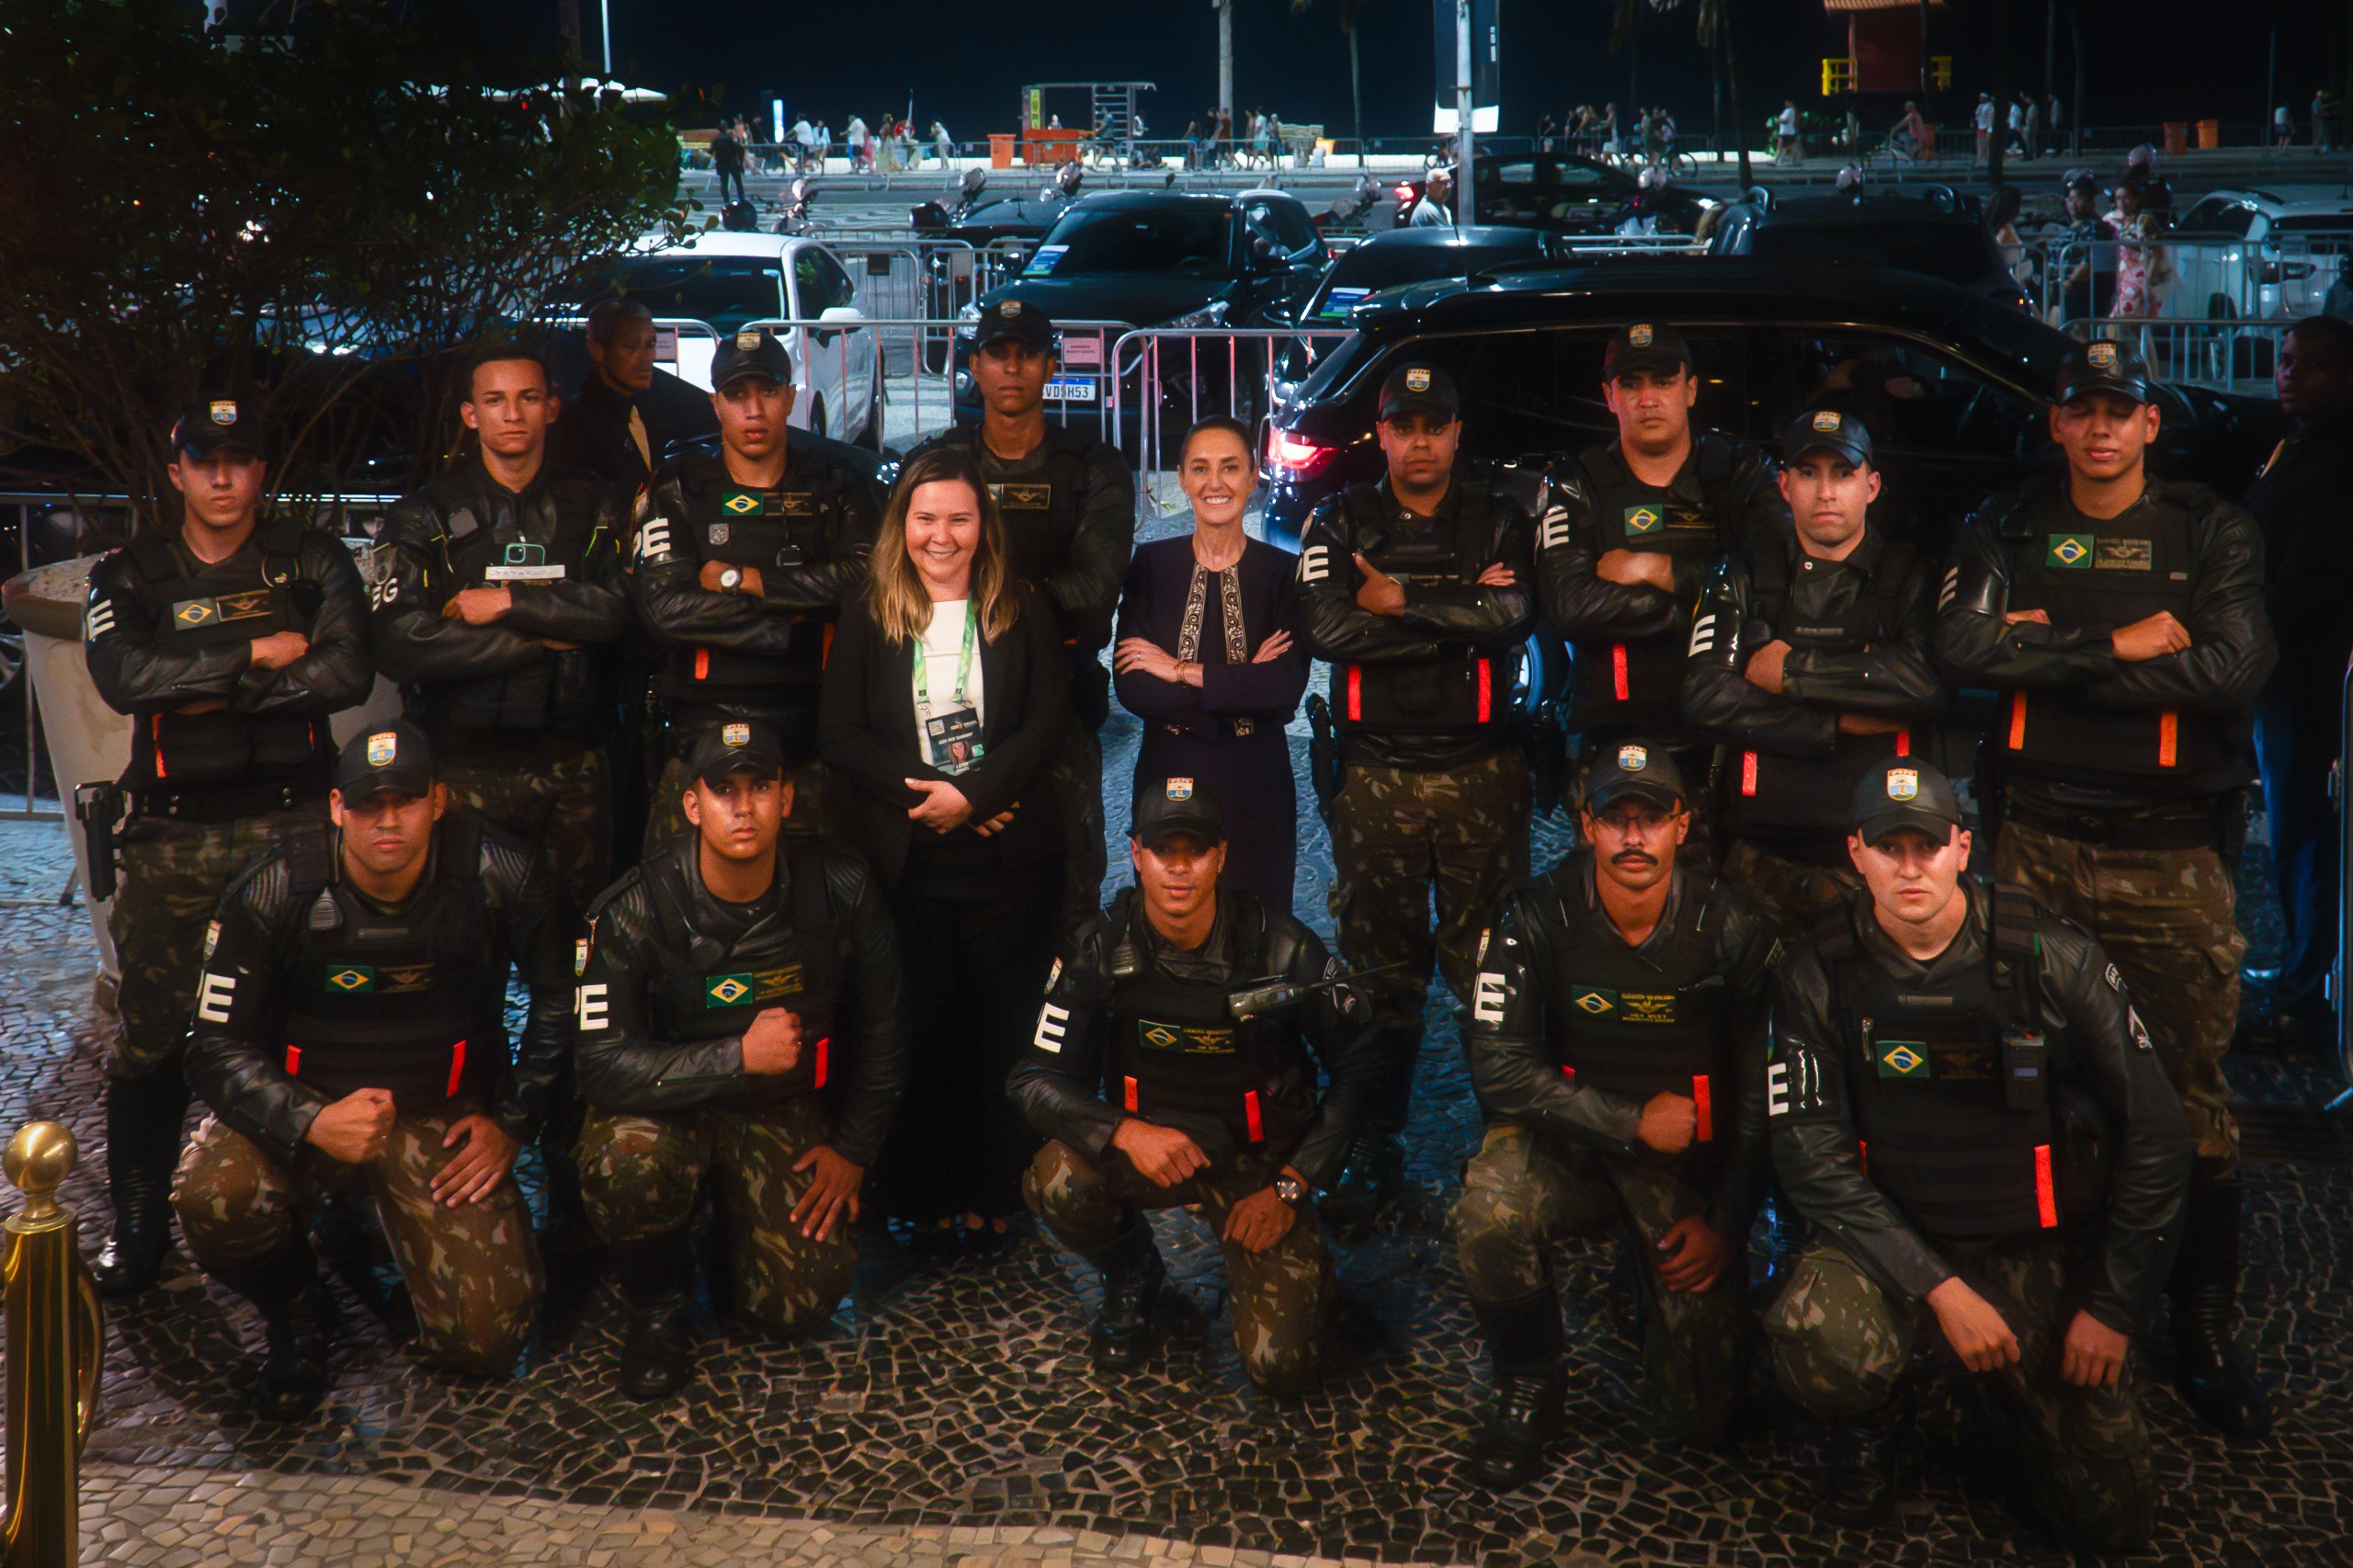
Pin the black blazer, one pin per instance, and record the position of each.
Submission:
(866, 732)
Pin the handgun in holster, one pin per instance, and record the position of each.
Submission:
(1544, 741)
(1324, 759)
(98, 808)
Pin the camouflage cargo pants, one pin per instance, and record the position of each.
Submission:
(2167, 918)
(639, 1176)
(667, 819)
(473, 1272)
(1840, 1345)
(1280, 1296)
(563, 809)
(1075, 782)
(1521, 1191)
(172, 879)
(1792, 894)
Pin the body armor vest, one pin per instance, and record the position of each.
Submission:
(556, 692)
(2100, 575)
(214, 610)
(1456, 689)
(407, 1000)
(1949, 1089)
(1174, 1048)
(1640, 683)
(793, 958)
(772, 529)
(1042, 511)
(1768, 790)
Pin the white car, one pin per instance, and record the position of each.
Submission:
(724, 281)
(2250, 253)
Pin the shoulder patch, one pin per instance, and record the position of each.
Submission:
(1053, 977)
(212, 937)
(2141, 1040)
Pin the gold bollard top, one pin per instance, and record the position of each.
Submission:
(39, 1159)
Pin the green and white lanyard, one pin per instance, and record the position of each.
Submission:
(951, 737)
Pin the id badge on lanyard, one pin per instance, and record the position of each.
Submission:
(951, 735)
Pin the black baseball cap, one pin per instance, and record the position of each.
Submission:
(1638, 768)
(393, 757)
(1420, 388)
(1018, 319)
(735, 745)
(1827, 430)
(218, 424)
(1904, 793)
(2102, 367)
(751, 352)
(1644, 346)
(1168, 807)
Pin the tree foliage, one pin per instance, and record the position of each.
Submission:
(316, 223)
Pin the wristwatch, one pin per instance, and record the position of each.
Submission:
(730, 579)
(1291, 1189)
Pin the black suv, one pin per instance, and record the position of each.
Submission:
(1953, 386)
(1937, 231)
(1565, 193)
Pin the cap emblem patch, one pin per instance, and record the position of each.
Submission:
(212, 938)
(382, 747)
(1010, 308)
(736, 736)
(2101, 356)
(223, 411)
(747, 340)
(1640, 335)
(1902, 783)
(1826, 422)
(1180, 789)
(579, 956)
(1417, 379)
(1633, 759)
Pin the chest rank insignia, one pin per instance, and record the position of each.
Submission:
(1902, 1059)
(741, 503)
(353, 979)
(2123, 555)
(2071, 551)
(1643, 520)
(1594, 1001)
(1025, 497)
(726, 990)
(1190, 1042)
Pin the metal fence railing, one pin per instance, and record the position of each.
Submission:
(2224, 356)
(1164, 379)
(2183, 276)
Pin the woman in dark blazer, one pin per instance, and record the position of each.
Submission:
(1205, 659)
(945, 696)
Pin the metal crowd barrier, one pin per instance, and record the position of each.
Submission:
(56, 1331)
(2222, 356)
(1189, 373)
(2195, 277)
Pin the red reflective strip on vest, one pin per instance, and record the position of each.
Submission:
(293, 1061)
(1486, 692)
(457, 1067)
(1131, 1083)
(702, 663)
(1863, 1154)
(1568, 1072)
(1705, 1120)
(1250, 1110)
(1903, 743)
(2046, 1201)
(2169, 737)
(825, 655)
(157, 730)
(1749, 773)
(1356, 693)
(822, 1041)
(2017, 720)
(1617, 672)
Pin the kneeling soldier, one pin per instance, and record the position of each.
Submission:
(741, 1018)
(1196, 1009)
(1956, 1076)
(348, 1030)
(1615, 1039)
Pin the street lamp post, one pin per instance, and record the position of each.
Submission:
(604, 30)
(1225, 58)
(1462, 114)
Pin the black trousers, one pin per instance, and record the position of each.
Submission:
(2296, 738)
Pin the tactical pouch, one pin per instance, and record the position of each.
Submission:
(2086, 1156)
(1545, 743)
(99, 807)
(1324, 760)
(2025, 1059)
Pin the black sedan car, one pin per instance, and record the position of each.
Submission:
(1420, 256)
(1953, 386)
(1567, 193)
(1937, 231)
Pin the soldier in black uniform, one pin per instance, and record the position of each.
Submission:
(1810, 663)
(1069, 504)
(741, 569)
(741, 1019)
(1417, 589)
(1969, 1115)
(1163, 1072)
(351, 1033)
(229, 636)
(2121, 619)
(1632, 527)
(1617, 1040)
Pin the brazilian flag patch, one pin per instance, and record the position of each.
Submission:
(759, 985)
(727, 990)
(1644, 520)
(1594, 1001)
(1903, 1059)
(741, 503)
(352, 979)
(2071, 552)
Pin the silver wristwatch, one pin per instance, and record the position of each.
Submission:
(730, 578)
(1291, 1189)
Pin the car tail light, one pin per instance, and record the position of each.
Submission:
(1404, 193)
(1295, 457)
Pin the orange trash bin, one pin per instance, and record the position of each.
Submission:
(1001, 150)
(2177, 138)
(2210, 134)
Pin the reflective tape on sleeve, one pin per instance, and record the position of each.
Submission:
(2046, 1199)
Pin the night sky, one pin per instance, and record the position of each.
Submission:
(2147, 60)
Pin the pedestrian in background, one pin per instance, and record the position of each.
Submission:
(940, 143)
(2283, 128)
(1205, 658)
(1983, 120)
(727, 162)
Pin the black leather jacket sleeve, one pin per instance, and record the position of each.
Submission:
(415, 644)
(340, 668)
(1582, 606)
(665, 585)
(1748, 953)
(2232, 649)
(1337, 629)
(1975, 647)
(231, 1066)
(536, 930)
(1056, 1081)
(593, 609)
(1085, 586)
(1337, 1023)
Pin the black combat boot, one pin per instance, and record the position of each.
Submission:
(657, 1279)
(1369, 1179)
(2210, 1369)
(300, 1318)
(1527, 1347)
(143, 1118)
(1858, 1486)
(1132, 1275)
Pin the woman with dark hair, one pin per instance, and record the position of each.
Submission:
(1205, 658)
(945, 696)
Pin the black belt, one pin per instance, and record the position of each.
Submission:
(224, 805)
(2198, 829)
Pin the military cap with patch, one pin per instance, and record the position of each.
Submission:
(1644, 346)
(1020, 319)
(215, 425)
(1827, 430)
(754, 351)
(394, 756)
(2102, 367)
(1167, 807)
(1638, 768)
(1420, 388)
(1904, 794)
(735, 745)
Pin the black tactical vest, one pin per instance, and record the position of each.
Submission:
(1640, 683)
(2100, 575)
(1765, 790)
(793, 959)
(1174, 1048)
(1456, 689)
(407, 1001)
(1950, 1089)
(773, 530)
(559, 693)
(214, 610)
(1042, 511)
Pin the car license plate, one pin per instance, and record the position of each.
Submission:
(1071, 389)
